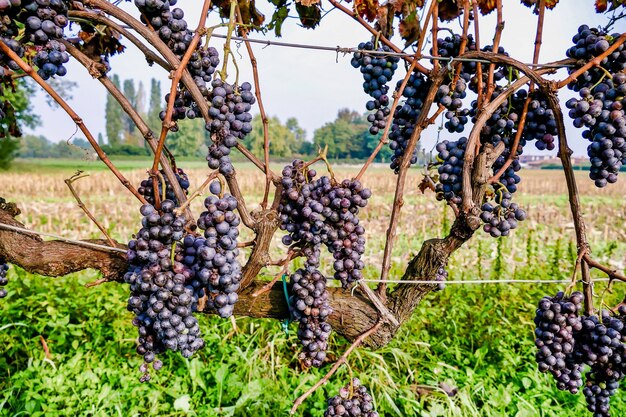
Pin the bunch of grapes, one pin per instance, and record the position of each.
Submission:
(44, 20)
(540, 123)
(556, 320)
(452, 100)
(146, 187)
(314, 212)
(4, 267)
(353, 400)
(377, 70)
(311, 309)
(404, 118)
(218, 270)
(501, 215)
(600, 345)
(566, 341)
(230, 110)
(451, 155)
(588, 44)
(50, 60)
(162, 301)
(601, 111)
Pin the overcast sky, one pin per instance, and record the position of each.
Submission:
(312, 85)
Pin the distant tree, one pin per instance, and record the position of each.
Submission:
(131, 134)
(189, 140)
(156, 102)
(113, 117)
(19, 115)
(348, 136)
(283, 139)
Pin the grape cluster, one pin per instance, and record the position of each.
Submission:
(162, 301)
(50, 60)
(404, 118)
(540, 123)
(44, 20)
(146, 188)
(218, 271)
(588, 44)
(556, 320)
(377, 70)
(4, 267)
(353, 401)
(502, 215)
(451, 154)
(311, 309)
(452, 100)
(600, 345)
(230, 112)
(566, 341)
(601, 110)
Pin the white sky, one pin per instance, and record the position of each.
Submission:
(312, 85)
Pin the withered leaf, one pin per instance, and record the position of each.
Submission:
(601, 6)
(450, 9)
(367, 9)
(309, 16)
(486, 6)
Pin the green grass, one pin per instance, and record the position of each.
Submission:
(477, 338)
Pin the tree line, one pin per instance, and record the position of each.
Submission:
(347, 137)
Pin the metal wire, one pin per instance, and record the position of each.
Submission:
(345, 50)
(64, 239)
(485, 281)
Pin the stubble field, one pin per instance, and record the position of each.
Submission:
(476, 339)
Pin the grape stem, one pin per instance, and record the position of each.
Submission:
(70, 184)
(496, 43)
(231, 27)
(176, 77)
(436, 78)
(335, 367)
(264, 119)
(196, 193)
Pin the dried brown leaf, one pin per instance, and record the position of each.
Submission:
(486, 6)
(601, 6)
(367, 9)
(307, 3)
(450, 9)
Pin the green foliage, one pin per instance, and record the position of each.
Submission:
(21, 115)
(284, 139)
(190, 139)
(8, 146)
(114, 117)
(348, 137)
